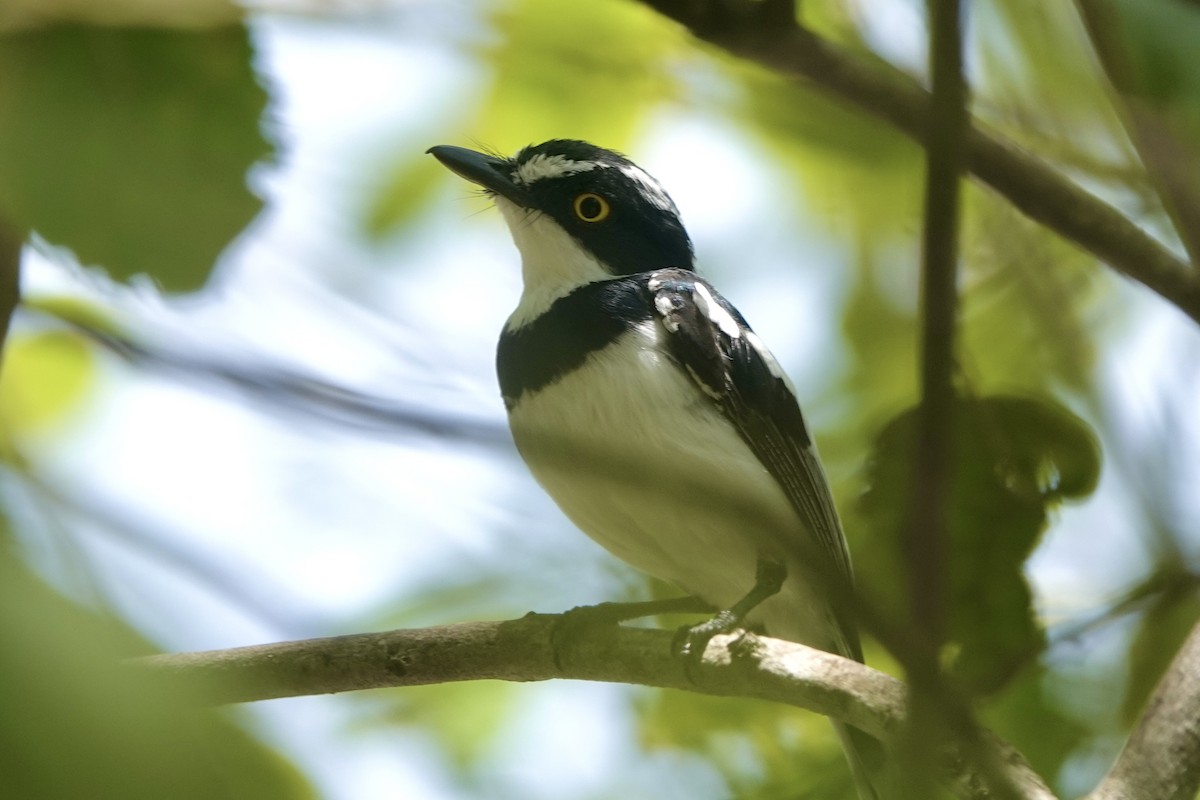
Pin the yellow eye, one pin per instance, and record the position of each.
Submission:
(591, 207)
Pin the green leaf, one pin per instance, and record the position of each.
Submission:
(1015, 458)
(78, 722)
(1159, 636)
(1160, 37)
(1029, 315)
(131, 146)
(1152, 61)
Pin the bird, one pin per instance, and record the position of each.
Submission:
(652, 414)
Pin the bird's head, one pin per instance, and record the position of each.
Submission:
(577, 212)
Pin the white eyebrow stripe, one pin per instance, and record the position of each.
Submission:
(652, 188)
(543, 165)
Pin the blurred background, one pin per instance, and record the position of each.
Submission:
(250, 394)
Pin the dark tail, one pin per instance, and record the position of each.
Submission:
(866, 757)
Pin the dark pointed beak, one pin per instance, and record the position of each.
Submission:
(493, 174)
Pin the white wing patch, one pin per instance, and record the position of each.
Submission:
(715, 394)
(666, 309)
(769, 359)
(710, 308)
(543, 166)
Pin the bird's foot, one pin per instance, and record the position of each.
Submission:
(691, 640)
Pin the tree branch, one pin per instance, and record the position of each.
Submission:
(926, 532)
(1161, 760)
(285, 389)
(886, 93)
(10, 276)
(527, 649)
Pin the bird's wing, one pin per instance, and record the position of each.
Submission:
(730, 364)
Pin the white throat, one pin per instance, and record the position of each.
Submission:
(552, 263)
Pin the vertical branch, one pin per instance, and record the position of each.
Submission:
(10, 277)
(926, 533)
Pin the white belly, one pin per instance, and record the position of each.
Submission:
(624, 447)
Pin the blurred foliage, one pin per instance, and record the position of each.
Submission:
(1160, 42)
(131, 146)
(764, 750)
(1038, 82)
(857, 173)
(77, 723)
(50, 374)
(1027, 310)
(1014, 460)
(589, 71)
(577, 71)
(1034, 721)
(467, 719)
(406, 189)
(46, 375)
(1173, 611)
(76, 312)
(1148, 53)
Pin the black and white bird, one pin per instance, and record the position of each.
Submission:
(650, 411)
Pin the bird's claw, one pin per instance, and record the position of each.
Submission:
(691, 640)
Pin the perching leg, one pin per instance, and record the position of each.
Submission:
(770, 574)
(575, 622)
